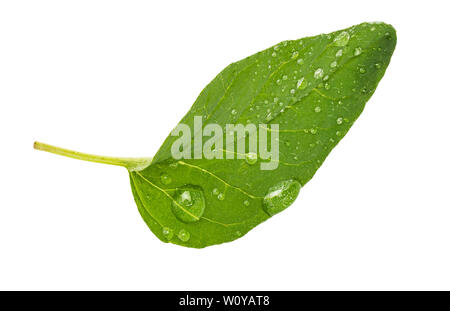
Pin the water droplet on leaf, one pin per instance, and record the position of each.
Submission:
(318, 73)
(167, 233)
(251, 158)
(188, 204)
(184, 235)
(342, 39)
(165, 179)
(280, 196)
(301, 84)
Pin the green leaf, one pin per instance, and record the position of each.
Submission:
(313, 88)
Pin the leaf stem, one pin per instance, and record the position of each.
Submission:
(132, 164)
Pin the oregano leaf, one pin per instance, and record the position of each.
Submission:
(306, 93)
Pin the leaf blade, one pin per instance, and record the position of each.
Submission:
(341, 70)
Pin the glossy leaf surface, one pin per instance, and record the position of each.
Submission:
(313, 88)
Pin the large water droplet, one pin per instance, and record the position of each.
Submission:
(188, 204)
(280, 196)
(342, 39)
(184, 235)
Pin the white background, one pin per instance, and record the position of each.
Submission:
(114, 77)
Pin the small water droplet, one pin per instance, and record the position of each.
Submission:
(362, 70)
(339, 121)
(300, 61)
(357, 51)
(301, 84)
(333, 64)
(280, 196)
(285, 77)
(246, 203)
(233, 112)
(251, 158)
(294, 54)
(184, 235)
(292, 91)
(342, 39)
(278, 81)
(188, 204)
(339, 53)
(165, 179)
(215, 191)
(318, 73)
(317, 109)
(220, 196)
(167, 233)
(377, 65)
(274, 54)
